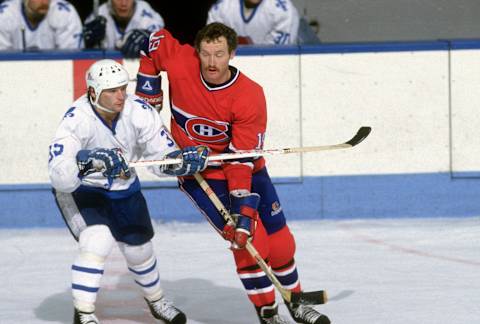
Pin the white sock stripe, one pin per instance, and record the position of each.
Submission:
(260, 291)
(290, 287)
(285, 272)
(251, 275)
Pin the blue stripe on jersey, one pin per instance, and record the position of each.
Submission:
(256, 283)
(144, 271)
(87, 270)
(153, 283)
(85, 288)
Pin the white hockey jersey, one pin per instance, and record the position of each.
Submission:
(271, 22)
(144, 17)
(60, 29)
(139, 132)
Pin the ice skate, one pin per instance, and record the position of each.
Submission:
(306, 314)
(84, 318)
(164, 310)
(269, 315)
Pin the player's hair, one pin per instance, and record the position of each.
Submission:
(214, 31)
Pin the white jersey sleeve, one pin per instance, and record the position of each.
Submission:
(60, 29)
(144, 17)
(272, 22)
(71, 136)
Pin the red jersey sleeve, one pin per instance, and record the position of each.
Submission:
(248, 132)
(162, 48)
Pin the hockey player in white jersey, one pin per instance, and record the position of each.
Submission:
(122, 24)
(266, 22)
(39, 25)
(99, 195)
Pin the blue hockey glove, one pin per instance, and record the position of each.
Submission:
(94, 32)
(133, 42)
(110, 162)
(195, 159)
(244, 212)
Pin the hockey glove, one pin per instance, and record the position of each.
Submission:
(110, 162)
(94, 32)
(134, 41)
(194, 159)
(149, 88)
(244, 212)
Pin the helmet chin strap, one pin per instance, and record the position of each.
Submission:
(99, 106)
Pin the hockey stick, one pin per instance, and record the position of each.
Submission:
(305, 298)
(361, 134)
(96, 3)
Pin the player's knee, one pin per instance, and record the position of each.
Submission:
(282, 247)
(137, 254)
(96, 240)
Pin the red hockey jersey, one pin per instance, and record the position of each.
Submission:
(226, 117)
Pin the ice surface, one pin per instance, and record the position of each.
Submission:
(376, 272)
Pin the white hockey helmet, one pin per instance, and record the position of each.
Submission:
(105, 74)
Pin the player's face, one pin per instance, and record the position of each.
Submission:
(123, 8)
(38, 7)
(113, 99)
(214, 59)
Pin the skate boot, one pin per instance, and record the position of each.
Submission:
(84, 318)
(269, 315)
(164, 310)
(306, 314)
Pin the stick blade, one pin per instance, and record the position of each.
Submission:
(362, 133)
(309, 298)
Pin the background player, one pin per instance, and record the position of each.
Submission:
(123, 25)
(39, 25)
(214, 104)
(99, 196)
(273, 22)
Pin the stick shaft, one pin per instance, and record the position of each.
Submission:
(361, 134)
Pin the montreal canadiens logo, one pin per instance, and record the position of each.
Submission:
(206, 130)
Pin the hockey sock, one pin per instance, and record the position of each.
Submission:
(282, 251)
(146, 275)
(143, 266)
(259, 288)
(95, 244)
(87, 271)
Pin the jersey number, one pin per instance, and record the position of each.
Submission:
(164, 133)
(154, 42)
(261, 141)
(55, 150)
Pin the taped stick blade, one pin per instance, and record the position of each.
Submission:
(309, 298)
(362, 133)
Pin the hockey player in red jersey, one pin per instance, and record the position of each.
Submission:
(214, 104)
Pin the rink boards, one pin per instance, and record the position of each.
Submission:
(421, 160)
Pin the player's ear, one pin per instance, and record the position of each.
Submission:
(91, 93)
